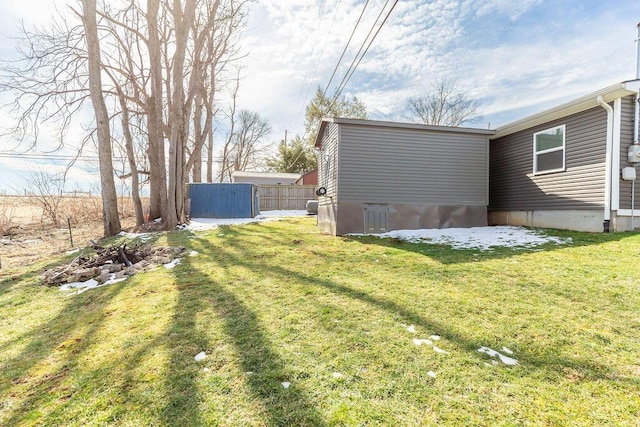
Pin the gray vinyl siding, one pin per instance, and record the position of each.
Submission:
(391, 165)
(513, 186)
(626, 139)
(327, 162)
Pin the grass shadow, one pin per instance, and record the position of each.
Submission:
(591, 368)
(64, 338)
(283, 406)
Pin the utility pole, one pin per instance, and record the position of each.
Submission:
(285, 151)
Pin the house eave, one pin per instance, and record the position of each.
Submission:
(578, 105)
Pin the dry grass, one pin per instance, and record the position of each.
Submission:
(27, 234)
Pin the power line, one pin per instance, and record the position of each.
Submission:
(68, 157)
(353, 67)
(346, 47)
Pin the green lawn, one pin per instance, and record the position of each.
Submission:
(280, 302)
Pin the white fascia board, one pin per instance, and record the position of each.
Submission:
(578, 105)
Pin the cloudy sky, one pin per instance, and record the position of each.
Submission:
(514, 57)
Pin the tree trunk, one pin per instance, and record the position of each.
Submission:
(128, 139)
(183, 21)
(110, 219)
(196, 157)
(210, 156)
(155, 150)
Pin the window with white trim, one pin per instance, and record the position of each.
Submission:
(549, 150)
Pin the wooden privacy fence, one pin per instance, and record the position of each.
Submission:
(285, 197)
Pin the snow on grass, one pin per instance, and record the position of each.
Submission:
(504, 359)
(171, 264)
(482, 238)
(439, 350)
(143, 237)
(81, 287)
(197, 224)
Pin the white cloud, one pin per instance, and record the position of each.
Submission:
(515, 57)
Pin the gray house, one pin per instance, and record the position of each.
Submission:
(561, 168)
(376, 176)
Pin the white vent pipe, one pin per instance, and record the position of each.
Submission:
(638, 51)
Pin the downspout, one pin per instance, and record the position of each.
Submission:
(636, 122)
(637, 112)
(607, 169)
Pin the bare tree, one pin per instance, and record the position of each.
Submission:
(446, 105)
(165, 61)
(49, 83)
(157, 169)
(248, 147)
(110, 219)
(225, 157)
(47, 190)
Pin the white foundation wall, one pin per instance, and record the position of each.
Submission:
(577, 220)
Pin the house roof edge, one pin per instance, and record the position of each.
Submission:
(577, 105)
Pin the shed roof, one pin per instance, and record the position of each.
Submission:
(577, 105)
(275, 175)
(395, 125)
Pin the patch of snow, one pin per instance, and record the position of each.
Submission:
(194, 253)
(206, 369)
(431, 374)
(91, 284)
(434, 337)
(506, 350)
(417, 341)
(286, 384)
(411, 329)
(112, 279)
(504, 359)
(200, 356)
(143, 237)
(197, 224)
(439, 350)
(73, 251)
(482, 238)
(81, 286)
(171, 264)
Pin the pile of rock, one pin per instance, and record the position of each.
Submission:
(115, 262)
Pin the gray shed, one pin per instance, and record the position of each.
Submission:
(379, 176)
